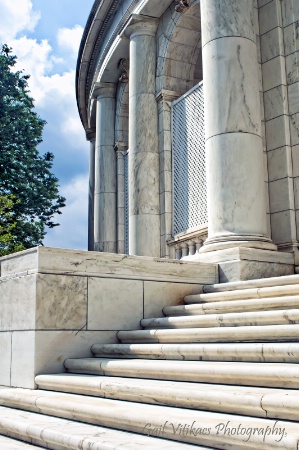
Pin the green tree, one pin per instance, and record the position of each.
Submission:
(8, 240)
(25, 174)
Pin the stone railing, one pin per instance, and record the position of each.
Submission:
(188, 243)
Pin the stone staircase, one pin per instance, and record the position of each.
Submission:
(220, 371)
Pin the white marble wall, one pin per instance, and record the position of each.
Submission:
(277, 123)
(68, 300)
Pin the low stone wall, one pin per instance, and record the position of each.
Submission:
(55, 303)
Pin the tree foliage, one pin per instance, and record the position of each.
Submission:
(26, 180)
(8, 239)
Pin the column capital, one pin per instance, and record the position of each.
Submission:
(121, 146)
(103, 90)
(141, 25)
(90, 134)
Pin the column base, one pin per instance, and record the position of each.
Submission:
(241, 263)
(229, 241)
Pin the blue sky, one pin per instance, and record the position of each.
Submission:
(45, 35)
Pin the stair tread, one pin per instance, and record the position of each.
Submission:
(144, 417)
(259, 352)
(284, 316)
(243, 305)
(7, 443)
(254, 401)
(261, 282)
(69, 433)
(243, 373)
(212, 334)
(263, 292)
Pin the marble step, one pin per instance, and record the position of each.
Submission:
(247, 352)
(61, 434)
(201, 428)
(7, 443)
(225, 320)
(261, 333)
(251, 284)
(264, 292)
(239, 373)
(252, 401)
(247, 305)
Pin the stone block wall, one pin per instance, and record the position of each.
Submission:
(55, 304)
(277, 22)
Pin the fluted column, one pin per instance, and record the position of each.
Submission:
(105, 170)
(235, 168)
(90, 135)
(144, 208)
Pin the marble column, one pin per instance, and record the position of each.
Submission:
(121, 149)
(235, 167)
(144, 208)
(105, 170)
(90, 135)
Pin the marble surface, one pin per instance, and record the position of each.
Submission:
(272, 44)
(236, 306)
(270, 16)
(63, 433)
(17, 305)
(63, 261)
(105, 170)
(250, 270)
(274, 73)
(226, 18)
(12, 444)
(160, 294)
(143, 139)
(276, 102)
(259, 402)
(91, 187)
(17, 263)
(114, 304)
(230, 65)
(255, 352)
(291, 38)
(278, 132)
(5, 346)
(61, 302)
(229, 212)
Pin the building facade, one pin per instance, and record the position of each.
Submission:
(192, 113)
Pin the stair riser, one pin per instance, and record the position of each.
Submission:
(283, 317)
(201, 372)
(147, 418)
(276, 291)
(203, 352)
(238, 306)
(198, 397)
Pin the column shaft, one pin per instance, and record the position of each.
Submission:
(120, 163)
(91, 195)
(235, 172)
(105, 170)
(144, 208)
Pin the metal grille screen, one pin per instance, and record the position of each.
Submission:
(127, 203)
(189, 168)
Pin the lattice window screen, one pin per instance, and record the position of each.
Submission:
(189, 169)
(127, 203)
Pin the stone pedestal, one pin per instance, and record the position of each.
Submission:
(144, 209)
(105, 170)
(239, 263)
(235, 167)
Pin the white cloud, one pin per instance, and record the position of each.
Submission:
(69, 39)
(72, 232)
(16, 17)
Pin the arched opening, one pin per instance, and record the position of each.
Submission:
(180, 73)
